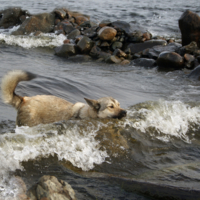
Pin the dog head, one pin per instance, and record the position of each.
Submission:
(107, 107)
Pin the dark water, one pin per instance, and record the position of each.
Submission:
(153, 153)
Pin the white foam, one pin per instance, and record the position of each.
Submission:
(166, 119)
(43, 40)
(75, 144)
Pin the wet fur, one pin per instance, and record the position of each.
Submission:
(44, 109)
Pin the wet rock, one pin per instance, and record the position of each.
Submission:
(80, 58)
(95, 52)
(105, 23)
(68, 28)
(107, 33)
(125, 62)
(66, 50)
(66, 41)
(122, 26)
(49, 187)
(85, 44)
(119, 53)
(11, 17)
(147, 36)
(105, 44)
(135, 48)
(61, 13)
(88, 24)
(195, 74)
(90, 32)
(189, 61)
(144, 62)
(80, 20)
(77, 14)
(191, 48)
(189, 24)
(136, 36)
(170, 60)
(117, 45)
(114, 59)
(41, 22)
(73, 34)
(155, 51)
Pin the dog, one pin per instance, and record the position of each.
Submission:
(45, 109)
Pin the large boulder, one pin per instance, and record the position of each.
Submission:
(107, 33)
(189, 25)
(41, 22)
(11, 17)
(49, 187)
(170, 60)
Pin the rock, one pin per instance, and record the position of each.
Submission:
(122, 26)
(66, 50)
(80, 20)
(135, 48)
(90, 32)
(168, 60)
(85, 44)
(66, 41)
(114, 59)
(155, 51)
(191, 48)
(189, 61)
(41, 22)
(136, 36)
(147, 36)
(117, 45)
(88, 24)
(95, 51)
(119, 53)
(77, 14)
(144, 62)
(73, 34)
(11, 17)
(68, 28)
(105, 44)
(61, 13)
(189, 25)
(105, 23)
(125, 62)
(49, 187)
(80, 58)
(195, 74)
(107, 33)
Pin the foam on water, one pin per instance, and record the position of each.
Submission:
(30, 41)
(74, 144)
(165, 119)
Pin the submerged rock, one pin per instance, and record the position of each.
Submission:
(195, 74)
(41, 22)
(11, 17)
(66, 50)
(49, 187)
(107, 33)
(145, 62)
(189, 25)
(170, 60)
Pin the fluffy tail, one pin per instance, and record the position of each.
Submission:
(9, 83)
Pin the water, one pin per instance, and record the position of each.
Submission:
(152, 152)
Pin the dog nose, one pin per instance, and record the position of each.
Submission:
(123, 113)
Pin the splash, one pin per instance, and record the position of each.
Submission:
(165, 119)
(70, 143)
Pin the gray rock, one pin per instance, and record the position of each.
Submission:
(144, 62)
(155, 51)
(104, 23)
(119, 53)
(135, 36)
(135, 48)
(85, 45)
(73, 34)
(114, 59)
(122, 26)
(41, 22)
(61, 13)
(68, 28)
(117, 45)
(49, 187)
(11, 17)
(90, 32)
(195, 74)
(88, 24)
(191, 48)
(170, 60)
(66, 50)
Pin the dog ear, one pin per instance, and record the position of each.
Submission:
(93, 103)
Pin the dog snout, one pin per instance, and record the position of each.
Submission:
(123, 113)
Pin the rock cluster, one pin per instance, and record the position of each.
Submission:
(112, 42)
(47, 188)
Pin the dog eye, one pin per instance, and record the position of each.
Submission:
(111, 106)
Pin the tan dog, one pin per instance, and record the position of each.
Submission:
(44, 109)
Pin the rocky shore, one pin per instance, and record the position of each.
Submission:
(113, 42)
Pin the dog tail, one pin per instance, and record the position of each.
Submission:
(9, 83)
